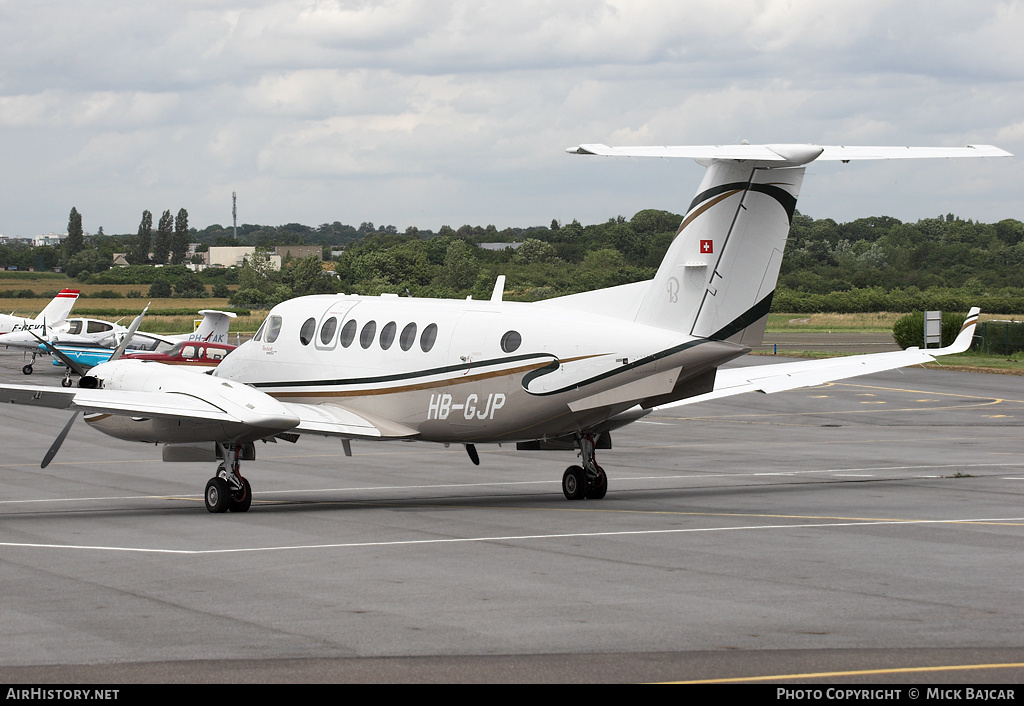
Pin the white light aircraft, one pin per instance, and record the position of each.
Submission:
(52, 315)
(561, 373)
(102, 337)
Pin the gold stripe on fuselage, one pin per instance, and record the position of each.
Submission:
(462, 378)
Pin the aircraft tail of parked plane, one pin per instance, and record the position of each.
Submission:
(717, 279)
(560, 373)
(213, 328)
(52, 314)
(59, 307)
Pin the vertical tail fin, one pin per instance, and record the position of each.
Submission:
(718, 276)
(214, 326)
(59, 307)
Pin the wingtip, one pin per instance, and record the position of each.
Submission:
(966, 336)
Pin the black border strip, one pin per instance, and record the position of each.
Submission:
(406, 376)
(744, 320)
(529, 377)
(785, 199)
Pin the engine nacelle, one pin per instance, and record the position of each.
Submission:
(211, 409)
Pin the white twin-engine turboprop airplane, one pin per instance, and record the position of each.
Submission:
(561, 373)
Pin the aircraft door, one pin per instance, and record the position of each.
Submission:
(326, 336)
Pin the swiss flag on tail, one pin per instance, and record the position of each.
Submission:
(707, 247)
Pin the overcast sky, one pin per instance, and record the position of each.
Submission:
(434, 112)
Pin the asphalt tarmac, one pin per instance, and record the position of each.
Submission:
(868, 531)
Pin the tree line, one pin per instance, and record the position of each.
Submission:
(870, 264)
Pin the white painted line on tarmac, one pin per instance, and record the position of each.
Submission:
(505, 538)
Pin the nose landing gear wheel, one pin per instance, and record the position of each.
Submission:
(218, 495)
(574, 483)
(27, 369)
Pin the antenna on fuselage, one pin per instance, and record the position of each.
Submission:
(499, 289)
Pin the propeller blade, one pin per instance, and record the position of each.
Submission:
(128, 336)
(58, 441)
(79, 370)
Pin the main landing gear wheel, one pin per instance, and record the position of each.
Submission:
(66, 382)
(597, 487)
(589, 480)
(27, 369)
(241, 499)
(218, 495)
(574, 483)
(228, 491)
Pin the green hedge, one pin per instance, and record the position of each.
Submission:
(110, 313)
(872, 299)
(909, 329)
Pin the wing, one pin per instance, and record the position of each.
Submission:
(146, 389)
(165, 405)
(806, 373)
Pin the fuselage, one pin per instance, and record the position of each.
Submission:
(462, 370)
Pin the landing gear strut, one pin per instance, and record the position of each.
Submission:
(27, 369)
(586, 481)
(228, 490)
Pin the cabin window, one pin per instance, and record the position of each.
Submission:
(348, 333)
(428, 337)
(98, 327)
(387, 334)
(75, 328)
(306, 332)
(366, 335)
(259, 334)
(511, 341)
(273, 328)
(214, 353)
(327, 330)
(408, 337)
(188, 352)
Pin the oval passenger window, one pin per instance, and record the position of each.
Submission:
(327, 330)
(306, 332)
(428, 337)
(408, 337)
(366, 335)
(387, 335)
(348, 333)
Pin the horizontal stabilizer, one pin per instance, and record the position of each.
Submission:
(789, 154)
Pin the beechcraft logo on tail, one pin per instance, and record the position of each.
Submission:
(707, 246)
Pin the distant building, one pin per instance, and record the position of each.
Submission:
(49, 239)
(499, 246)
(236, 256)
(12, 239)
(120, 260)
(299, 252)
